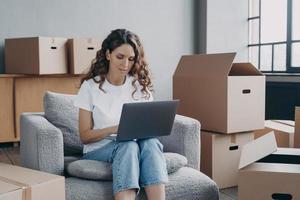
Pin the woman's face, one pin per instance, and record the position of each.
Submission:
(121, 60)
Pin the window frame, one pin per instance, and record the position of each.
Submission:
(288, 42)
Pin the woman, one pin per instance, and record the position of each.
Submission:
(119, 75)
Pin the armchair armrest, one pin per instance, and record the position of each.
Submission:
(41, 144)
(184, 139)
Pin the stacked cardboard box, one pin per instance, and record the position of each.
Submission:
(220, 155)
(36, 55)
(20, 183)
(82, 51)
(35, 65)
(229, 101)
(49, 55)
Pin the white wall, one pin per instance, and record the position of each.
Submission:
(165, 27)
(225, 27)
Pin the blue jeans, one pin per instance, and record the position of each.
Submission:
(135, 164)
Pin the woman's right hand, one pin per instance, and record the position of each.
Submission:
(114, 129)
(87, 133)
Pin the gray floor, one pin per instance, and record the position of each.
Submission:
(11, 155)
(229, 193)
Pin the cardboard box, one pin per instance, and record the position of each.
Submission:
(6, 109)
(225, 97)
(36, 185)
(81, 53)
(297, 128)
(283, 130)
(29, 92)
(220, 155)
(36, 55)
(273, 177)
(10, 191)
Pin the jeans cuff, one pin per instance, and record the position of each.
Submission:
(156, 182)
(115, 191)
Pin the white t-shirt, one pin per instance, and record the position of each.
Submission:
(106, 107)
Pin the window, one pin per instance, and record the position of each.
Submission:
(274, 35)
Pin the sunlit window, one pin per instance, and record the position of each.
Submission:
(274, 35)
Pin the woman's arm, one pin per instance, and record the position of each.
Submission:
(87, 134)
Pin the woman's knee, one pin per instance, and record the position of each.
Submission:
(129, 146)
(151, 143)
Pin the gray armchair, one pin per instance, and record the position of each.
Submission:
(42, 148)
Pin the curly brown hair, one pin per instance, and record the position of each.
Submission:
(140, 69)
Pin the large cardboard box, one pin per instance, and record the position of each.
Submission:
(297, 128)
(225, 97)
(10, 191)
(36, 55)
(6, 109)
(82, 51)
(220, 155)
(35, 185)
(30, 90)
(283, 130)
(276, 175)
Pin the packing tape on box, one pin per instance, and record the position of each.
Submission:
(233, 138)
(26, 193)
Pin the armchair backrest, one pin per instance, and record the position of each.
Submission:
(60, 111)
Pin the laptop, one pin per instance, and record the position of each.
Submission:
(146, 119)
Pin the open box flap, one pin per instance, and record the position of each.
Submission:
(199, 65)
(257, 149)
(244, 69)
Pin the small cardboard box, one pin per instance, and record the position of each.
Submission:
(36, 55)
(274, 176)
(82, 51)
(297, 128)
(35, 185)
(283, 130)
(225, 97)
(30, 90)
(220, 155)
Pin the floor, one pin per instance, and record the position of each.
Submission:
(11, 154)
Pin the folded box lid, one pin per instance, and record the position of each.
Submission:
(257, 149)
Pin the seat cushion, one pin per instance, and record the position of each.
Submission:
(98, 170)
(186, 183)
(60, 111)
(90, 169)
